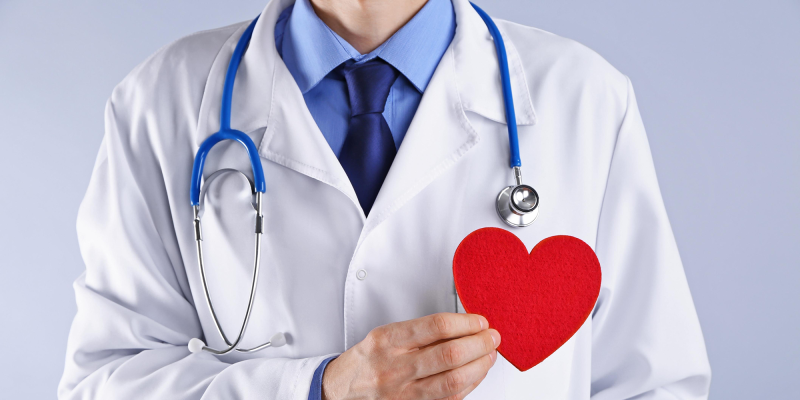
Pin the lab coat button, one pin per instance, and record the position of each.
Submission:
(361, 274)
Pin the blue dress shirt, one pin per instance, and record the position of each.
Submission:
(315, 54)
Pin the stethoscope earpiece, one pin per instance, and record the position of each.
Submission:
(196, 345)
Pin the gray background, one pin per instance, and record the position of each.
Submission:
(718, 84)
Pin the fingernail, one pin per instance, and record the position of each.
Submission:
(495, 338)
(493, 356)
(484, 322)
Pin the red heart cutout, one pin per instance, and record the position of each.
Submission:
(537, 301)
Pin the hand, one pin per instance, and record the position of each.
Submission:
(441, 356)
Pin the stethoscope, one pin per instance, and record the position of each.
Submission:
(517, 205)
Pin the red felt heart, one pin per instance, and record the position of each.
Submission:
(536, 301)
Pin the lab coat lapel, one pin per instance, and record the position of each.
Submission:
(293, 139)
(268, 105)
(438, 136)
(467, 79)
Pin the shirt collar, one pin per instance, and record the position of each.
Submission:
(311, 50)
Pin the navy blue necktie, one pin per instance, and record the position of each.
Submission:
(368, 149)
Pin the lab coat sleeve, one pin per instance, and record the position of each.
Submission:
(135, 313)
(647, 342)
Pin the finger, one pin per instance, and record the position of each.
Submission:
(454, 381)
(466, 391)
(453, 353)
(426, 330)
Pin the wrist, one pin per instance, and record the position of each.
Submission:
(327, 381)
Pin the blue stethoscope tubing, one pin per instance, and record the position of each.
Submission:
(514, 204)
(505, 80)
(226, 133)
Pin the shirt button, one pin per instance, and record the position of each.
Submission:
(361, 274)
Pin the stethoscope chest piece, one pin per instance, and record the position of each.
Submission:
(518, 205)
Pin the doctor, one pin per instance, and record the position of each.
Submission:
(381, 132)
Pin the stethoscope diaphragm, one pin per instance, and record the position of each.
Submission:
(518, 205)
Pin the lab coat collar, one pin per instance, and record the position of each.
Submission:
(478, 72)
(266, 96)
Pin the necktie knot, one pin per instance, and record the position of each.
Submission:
(368, 86)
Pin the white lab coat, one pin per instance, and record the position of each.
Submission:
(583, 147)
